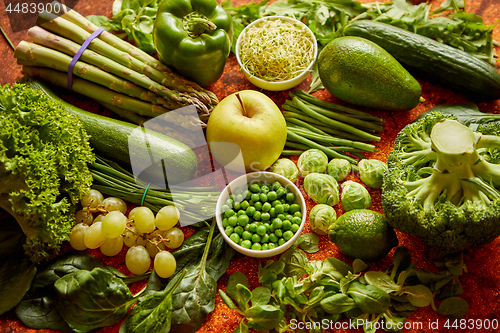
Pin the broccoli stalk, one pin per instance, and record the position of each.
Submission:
(44, 153)
(439, 185)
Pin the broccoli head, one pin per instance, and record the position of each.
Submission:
(443, 182)
(44, 153)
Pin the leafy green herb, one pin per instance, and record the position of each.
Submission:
(453, 307)
(308, 242)
(90, 300)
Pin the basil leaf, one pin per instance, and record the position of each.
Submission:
(308, 242)
(337, 304)
(264, 318)
(157, 306)
(418, 295)
(381, 280)
(90, 300)
(368, 298)
(16, 276)
(261, 296)
(454, 308)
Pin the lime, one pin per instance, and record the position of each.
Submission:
(363, 234)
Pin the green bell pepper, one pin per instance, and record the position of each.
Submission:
(194, 37)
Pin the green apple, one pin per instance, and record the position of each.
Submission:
(250, 122)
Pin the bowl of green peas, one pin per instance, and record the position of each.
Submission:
(261, 214)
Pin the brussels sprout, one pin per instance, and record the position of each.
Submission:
(339, 169)
(312, 160)
(355, 196)
(371, 172)
(321, 218)
(322, 188)
(286, 168)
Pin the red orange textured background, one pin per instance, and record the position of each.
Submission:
(481, 283)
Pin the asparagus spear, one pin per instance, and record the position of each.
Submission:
(73, 32)
(172, 80)
(36, 55)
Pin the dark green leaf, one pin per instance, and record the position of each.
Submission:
(219, 257)
(90, 300)
(429, 278)
(381, 280)
(466, 113)
(402, 260)
(16, 276)
(270, 272)
(337, 304)
(369, 298)
(418, 295)
(454, 308)
(264, 318)
(295, 262)
(235, 279)
(261, 296)
(11, 239)
(316, 295)
(41, 313)
(453, 288)
(308, 242)
(243, 296)
(358, 266)
(242, 328)
(338, 265)
(153, 312)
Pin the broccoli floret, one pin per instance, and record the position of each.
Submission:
(443, 183)
(44, 153)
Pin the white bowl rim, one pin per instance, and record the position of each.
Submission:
(308, 69)
(260, 253)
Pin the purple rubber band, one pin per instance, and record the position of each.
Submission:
(79, 54)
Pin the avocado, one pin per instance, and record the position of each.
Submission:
(360, 72)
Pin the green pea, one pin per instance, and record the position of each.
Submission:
(229, 230)
(288, 217)
(253, 227)
(255, 197)
(281, 216)
(265, 238)
(272, 212)
(261, 230)
(256, 247)
(278, 233)
(232, 221)
(250, 211)
(247, 227)
(266, 207)
(268, 226)
(295, 228)
(265, 216)
(243, 220)
(286, 207)
(235, 238)
(272, 196)
(298, 214)
(287, 225)
(256, 238)
(255, 188)
(246, 235)
(224, 222)
(257, 215)
(280, 209)
(280, 192)
(263, 197)
(287, 235)
(247, 194)
(239, 190)
(237, 206)
(275, 203)
(239, 230)
(276, 185)
(265, 189)
(229, 213)
(245, 204)
(277, 224)
(271, 246)
(230, 202)
(225, 208)
(264, 247)
(290, 197)
(273, 238)
(246, 243)
(239, 198)
(294, 208)
(281, 241)
(296, 220)
(258, 206)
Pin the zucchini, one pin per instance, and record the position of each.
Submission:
(145, 151)
(456, 68)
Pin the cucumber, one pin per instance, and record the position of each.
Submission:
(145, 151)
(457, 69)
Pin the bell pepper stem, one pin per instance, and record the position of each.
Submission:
(198, 25)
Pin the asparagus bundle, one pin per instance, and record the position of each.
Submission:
(115, 73)
(332, 128)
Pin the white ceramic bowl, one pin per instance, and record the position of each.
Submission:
(267, 177)
(278, 85)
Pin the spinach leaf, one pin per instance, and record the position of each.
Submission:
(194, 298)
(467, 114)
(337, 304)
(219, 258)
(11, 238)
(90, 300)
(16, 276)
(368, 298)
(153, 312)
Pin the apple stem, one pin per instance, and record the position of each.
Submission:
(242, 105)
